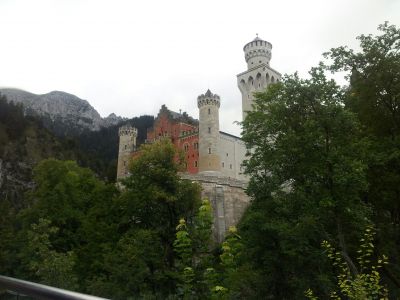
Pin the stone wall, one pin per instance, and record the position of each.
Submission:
(228, 199)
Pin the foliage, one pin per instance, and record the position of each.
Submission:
(196, 277)
(80, 207)
(307, 176)
(231, 248)
(374, 96)
(51, 267)
(364, 285)
(154, 199)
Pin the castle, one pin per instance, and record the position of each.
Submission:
(213, 157)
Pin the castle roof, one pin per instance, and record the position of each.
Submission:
(208, 93)
(180, 117)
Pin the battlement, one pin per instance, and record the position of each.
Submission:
(127, 130)
(208, 99)
(257, 52)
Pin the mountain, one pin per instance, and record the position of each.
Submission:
(62, 113)
(23, 143)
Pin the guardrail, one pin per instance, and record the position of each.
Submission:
(20, 288)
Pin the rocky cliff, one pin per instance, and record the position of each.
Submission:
(62, 113)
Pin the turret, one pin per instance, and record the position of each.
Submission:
(259, 74)
(127, 145)
(209, 158)
(257, 52)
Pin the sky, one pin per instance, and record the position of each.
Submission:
(130, 57)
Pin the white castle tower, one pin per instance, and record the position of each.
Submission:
(127, 145)
(259, 74)
(209, 154)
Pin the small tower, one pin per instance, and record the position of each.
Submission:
(209, 158)
(127, 145)
(259, 74)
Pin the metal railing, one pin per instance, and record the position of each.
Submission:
(19, 289)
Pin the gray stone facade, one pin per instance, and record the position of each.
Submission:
(127, 145)
(228, 199)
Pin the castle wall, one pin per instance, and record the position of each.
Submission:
(189, 144)
(232, 152)
(254, 80)
(228, 199)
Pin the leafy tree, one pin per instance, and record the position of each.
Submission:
(80, 207)
(7, 233)
(374, 95)
(154, 199)
(196, 276)
(307, 175)
(364, 285)
(51, 267)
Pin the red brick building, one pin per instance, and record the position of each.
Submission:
(183, 131)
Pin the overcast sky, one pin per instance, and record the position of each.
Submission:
(130, 57)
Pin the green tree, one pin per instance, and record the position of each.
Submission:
(364, 285)
(154, 199)
(82, 209)
(374, 95)
(51, 267)
(307, 176)
(193, 244)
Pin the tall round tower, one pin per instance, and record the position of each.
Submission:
(257, 52)
(209, 158)
(259, 74)
(127, 145)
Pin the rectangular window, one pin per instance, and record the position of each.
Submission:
(209, 150)
(209, 111)
(209, 129)
(230, 166)
(223, 165)
(195, 163)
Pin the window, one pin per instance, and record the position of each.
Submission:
(230, 166)
(209, 111)
(196, 145)
(209, 150)
(223, 164)
(227, 154)
(186, 147)
(209, 129)
(195, 163)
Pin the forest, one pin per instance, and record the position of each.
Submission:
(324, 217)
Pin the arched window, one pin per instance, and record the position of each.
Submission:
(251, 81)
